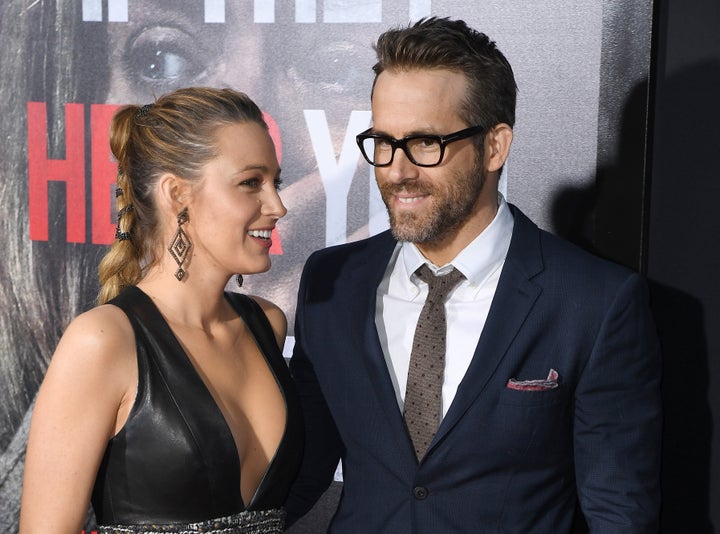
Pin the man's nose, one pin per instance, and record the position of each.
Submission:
(401, 168)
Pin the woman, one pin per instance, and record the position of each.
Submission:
(170, 405)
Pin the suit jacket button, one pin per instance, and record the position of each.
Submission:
(420, 493)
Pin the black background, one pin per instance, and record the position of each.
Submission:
(674, 192)
(683, 256)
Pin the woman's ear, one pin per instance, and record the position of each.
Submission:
(174, 192)
(497, 146)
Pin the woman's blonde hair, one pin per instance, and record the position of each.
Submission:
(177, 135)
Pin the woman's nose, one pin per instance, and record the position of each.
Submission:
(274, 206)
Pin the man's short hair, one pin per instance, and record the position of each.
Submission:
(441, 43)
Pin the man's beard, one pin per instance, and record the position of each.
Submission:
(452, 204)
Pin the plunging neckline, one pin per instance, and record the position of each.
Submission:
(178, 345)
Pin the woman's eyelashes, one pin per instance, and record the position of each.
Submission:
(257, 183)
(253, 183)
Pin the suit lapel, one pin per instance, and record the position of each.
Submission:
(364, 282)
(514, 298)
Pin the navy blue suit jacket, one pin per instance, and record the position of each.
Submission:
(503, 460)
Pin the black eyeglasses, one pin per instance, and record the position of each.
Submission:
(423, 150)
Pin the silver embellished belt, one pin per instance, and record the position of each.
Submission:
(256, 522)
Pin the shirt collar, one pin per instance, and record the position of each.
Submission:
(478, 260)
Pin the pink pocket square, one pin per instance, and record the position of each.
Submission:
(551, 382)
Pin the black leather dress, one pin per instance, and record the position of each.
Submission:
(175, 461)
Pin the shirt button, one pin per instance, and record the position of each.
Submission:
(420, 493)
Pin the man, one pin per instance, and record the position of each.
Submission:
(548, 388)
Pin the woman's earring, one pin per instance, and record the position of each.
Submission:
(180, 245)
(239, 279)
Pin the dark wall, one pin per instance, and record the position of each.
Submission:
(654, 207)
(683, 256)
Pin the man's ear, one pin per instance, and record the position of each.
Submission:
(174, 192)
(497, 146)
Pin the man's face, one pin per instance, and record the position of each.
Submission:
(427, 205)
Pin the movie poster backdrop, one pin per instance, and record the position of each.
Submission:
(66, 66)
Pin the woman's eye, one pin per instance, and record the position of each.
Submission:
(252, 182)
(163, 56)
(257, 183)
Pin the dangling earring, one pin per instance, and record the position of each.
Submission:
(239, 279)
(180, 245)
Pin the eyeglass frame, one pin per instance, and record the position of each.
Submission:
(444, 140)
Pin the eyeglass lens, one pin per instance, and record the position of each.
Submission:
(420, 150)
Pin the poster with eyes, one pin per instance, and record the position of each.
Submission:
(66, 66)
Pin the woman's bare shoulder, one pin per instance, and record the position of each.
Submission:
(97, 339)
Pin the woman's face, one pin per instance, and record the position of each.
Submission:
(235, 205)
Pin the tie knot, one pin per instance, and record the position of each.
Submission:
(439, 286)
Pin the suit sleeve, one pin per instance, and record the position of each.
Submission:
(617, 421)
(323, 446)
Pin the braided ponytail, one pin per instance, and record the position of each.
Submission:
(120, 267)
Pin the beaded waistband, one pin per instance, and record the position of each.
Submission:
(255, 522)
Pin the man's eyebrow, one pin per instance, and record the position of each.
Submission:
(412, 133)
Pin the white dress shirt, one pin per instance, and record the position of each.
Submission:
(401, 296)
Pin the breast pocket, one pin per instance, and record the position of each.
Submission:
(535, 422)
(546, 397)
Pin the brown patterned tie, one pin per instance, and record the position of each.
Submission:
(423, 393)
